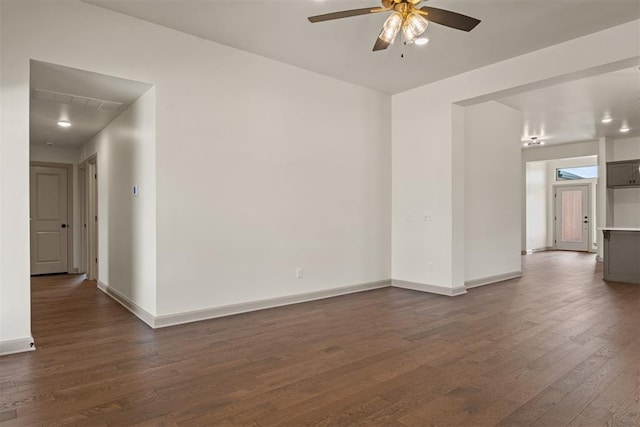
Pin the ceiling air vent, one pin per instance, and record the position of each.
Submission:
(81, 101)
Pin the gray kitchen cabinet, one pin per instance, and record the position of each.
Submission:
(622, 256)
(623, 174)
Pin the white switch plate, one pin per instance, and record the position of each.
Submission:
(299, 273)
(135, 191)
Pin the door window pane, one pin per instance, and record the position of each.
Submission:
(572, 216)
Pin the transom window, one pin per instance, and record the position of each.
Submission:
(582, 172)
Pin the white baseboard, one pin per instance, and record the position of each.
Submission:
(17, 346)
(134, 308)
(533, 251)
(228, 310)
(492, 279)
(432, 289)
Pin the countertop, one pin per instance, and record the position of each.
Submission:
(618, 229)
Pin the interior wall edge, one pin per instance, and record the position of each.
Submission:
(134, 308)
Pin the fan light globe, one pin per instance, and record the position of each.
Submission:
(391, 27)
(413, 26)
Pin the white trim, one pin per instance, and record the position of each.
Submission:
(536, 250)
(432, 289)
(134, 308)
(17, 346)
(492, 279)
(228, 310)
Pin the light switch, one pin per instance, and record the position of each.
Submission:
(134, 191)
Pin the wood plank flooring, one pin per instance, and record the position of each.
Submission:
(556, 347)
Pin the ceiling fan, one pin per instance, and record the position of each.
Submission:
(406, 16)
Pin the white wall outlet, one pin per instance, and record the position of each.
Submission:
(299, 273)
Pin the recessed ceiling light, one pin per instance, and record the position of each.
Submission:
(606, 120)
(624, 129)
(421, 41)
(64, 124)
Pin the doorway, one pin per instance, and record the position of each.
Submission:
(51, 214)
(571, 217)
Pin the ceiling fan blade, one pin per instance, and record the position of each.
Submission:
(450, 19)
(346, 14)
(380, 44)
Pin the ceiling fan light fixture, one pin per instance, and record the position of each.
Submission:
(391, 27)
(413, 26)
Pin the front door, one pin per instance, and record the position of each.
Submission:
(49, 219)
(572, 217)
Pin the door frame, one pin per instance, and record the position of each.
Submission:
(82, 217)
(555, 188)
(70, 213)
(88, 194)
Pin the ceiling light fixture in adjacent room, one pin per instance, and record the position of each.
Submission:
(64, 124)
(606, 119)
(624, 129)
(534, 141)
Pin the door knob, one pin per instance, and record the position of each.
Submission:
(64, 225)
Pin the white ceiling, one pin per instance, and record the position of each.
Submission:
(86, 119)
(573, 111)
(342, 48)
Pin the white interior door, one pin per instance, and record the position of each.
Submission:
(49, 219)
(572, 217)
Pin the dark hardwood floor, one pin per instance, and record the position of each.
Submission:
(556, 347)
